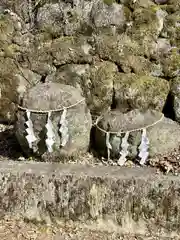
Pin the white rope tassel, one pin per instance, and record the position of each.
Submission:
(50, 140)
(64, 128)
(31, 136)
(124, 150)
(143, 154)
(108, 145)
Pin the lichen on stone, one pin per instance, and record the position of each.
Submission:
(99, 79)
(171, 63)
(140, 91)
(109, 2)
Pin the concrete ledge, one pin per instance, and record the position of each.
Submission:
(129, 200)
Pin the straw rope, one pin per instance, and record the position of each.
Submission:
(97, 120)
(52, 110)
(133, 130)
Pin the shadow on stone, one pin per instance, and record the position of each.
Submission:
(9, 147)
(168, 107)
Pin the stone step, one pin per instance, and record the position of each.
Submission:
(18, 229)
(121, 200)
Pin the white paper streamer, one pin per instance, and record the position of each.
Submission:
(124, 150)
(64, 128)
(143, 154)
(108, 145)
(50, 140)
(31, 136)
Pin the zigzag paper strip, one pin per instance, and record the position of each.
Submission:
(64, 128)
(50, 140)
(108, 145)
(124, 150)
(31, 136)
(144, 146)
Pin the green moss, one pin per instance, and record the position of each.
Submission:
(74, 18)
(142, 92)
(155, 8)
(109, 2)
(67, 39)
(100, 81)
(10, 50)
(127, 13)
(6, 28)
(50, 32)
(145, 15)
(146, 23)
(107, 47)
(171, 63)
(171, 29)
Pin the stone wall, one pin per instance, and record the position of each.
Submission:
(97, 46)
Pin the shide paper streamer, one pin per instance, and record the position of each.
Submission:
(31, 136)
(123, 153)
(50, 140)
(108, 145)
(64, 128)
(143, 154)
(124, 150)
(51, 137)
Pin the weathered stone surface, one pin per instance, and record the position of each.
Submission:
(119, 49)
(13, 83)
(71, 18)
(171, 63)
(160, 48)
(8, 93)
(64, 18)
(105, 14)
(163, 136)
(94, 81)
(148, 22)
(38, 58)
(71, 50)
(97, 85)
(50, 96)
(126, 53)
(143, 92)
(11, 28)
(138, 4)
(23, 8)
(132, 201)
(70, 74)
(171, 28)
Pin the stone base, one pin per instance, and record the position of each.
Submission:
(126, 200)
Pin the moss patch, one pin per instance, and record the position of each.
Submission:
(109, 2)
(143, 92)
(171, 63)
(99, 80)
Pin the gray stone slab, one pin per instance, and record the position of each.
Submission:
(127, 200)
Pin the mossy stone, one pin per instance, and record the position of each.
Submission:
(148, 22)
(6, 28)
(109, 2)
(97, 86)
(171, 63)
(139, 91)
(67, 50)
